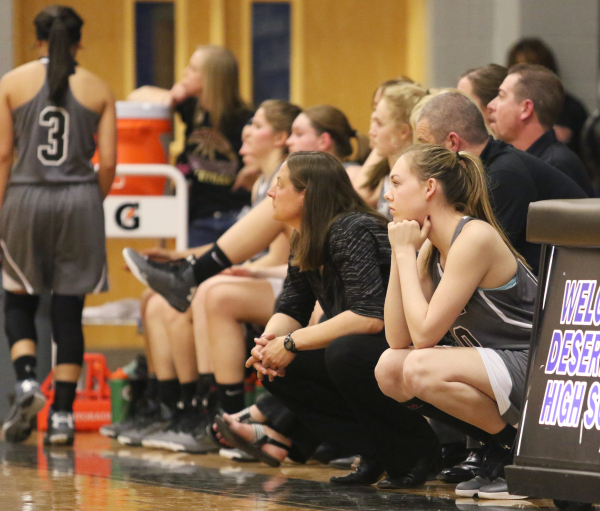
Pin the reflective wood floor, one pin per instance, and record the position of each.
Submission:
(99, 474)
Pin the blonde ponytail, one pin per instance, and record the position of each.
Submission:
(463, 182)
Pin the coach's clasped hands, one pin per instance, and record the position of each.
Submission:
(408, 233)
(269, 356)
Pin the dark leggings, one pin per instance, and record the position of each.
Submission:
(65, 314)
(335, 394)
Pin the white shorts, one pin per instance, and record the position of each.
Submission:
(506, 370)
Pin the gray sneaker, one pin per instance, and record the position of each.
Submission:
(116, 428)
(497, 490)
(174, 280)
(161, 439)
(146, 425)
(195, 443)
(471, 488)
(193, 435)
(29, 400)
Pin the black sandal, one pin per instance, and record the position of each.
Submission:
(251, 448)
(244, 417)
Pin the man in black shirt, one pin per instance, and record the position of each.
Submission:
(515, 178)
(527, 106)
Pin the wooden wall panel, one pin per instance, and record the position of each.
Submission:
(102, 40)
(349, 48)
(198, 30)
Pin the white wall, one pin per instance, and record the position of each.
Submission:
(460, 38)
(6, 48)
(571, 29)
(471, 33)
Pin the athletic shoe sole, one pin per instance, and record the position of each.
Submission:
(129, 259)
(155, 444)
(109, 433)
(500, 496)
(59, 439)
(17, 427)
(125, 440)
(466, 493)
(193, 448)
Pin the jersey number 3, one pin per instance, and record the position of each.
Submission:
(56, 119)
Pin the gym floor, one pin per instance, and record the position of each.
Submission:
(99, 474)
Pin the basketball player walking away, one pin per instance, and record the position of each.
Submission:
(52, 221)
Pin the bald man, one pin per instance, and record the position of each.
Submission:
(515, 178)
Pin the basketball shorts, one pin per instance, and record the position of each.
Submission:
(52, 238)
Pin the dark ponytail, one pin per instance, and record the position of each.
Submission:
(61, 27)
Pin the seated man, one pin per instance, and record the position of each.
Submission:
(515, 178)
(527, 106)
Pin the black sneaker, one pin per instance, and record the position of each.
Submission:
(61, 428)
(174, 280)
(463, 471)
(194, 434)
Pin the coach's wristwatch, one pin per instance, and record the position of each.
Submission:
(289, 344)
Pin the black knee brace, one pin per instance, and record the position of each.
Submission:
(19, 312)
(67, 332)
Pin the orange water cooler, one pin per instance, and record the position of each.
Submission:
(143, 136)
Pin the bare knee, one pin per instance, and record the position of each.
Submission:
(203, 288)
(174, 317)
(218, 298)
(388, 372)
(418, 377)
(155, 307)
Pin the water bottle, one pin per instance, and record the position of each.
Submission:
(120, 395)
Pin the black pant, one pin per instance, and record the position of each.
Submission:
(335, 393)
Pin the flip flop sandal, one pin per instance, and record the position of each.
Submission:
(244, 417)
(251, 448)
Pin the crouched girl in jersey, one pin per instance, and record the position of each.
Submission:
(52, 221)
(467, 279)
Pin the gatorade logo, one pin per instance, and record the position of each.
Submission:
(127, 216)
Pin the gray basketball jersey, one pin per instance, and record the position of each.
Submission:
(54, 144)
(499, 318)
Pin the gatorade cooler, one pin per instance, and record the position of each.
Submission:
(92, 406)
(143, 136)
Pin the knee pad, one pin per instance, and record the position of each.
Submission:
(67, 332)
(19, 310)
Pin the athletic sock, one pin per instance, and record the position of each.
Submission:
(506, 437)
(187, 391)
(206, 381)
(25, 367)
(231, 397)
(168, 392)
(428, 410)
(211, 263)
(151, 392)
(64, 395)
